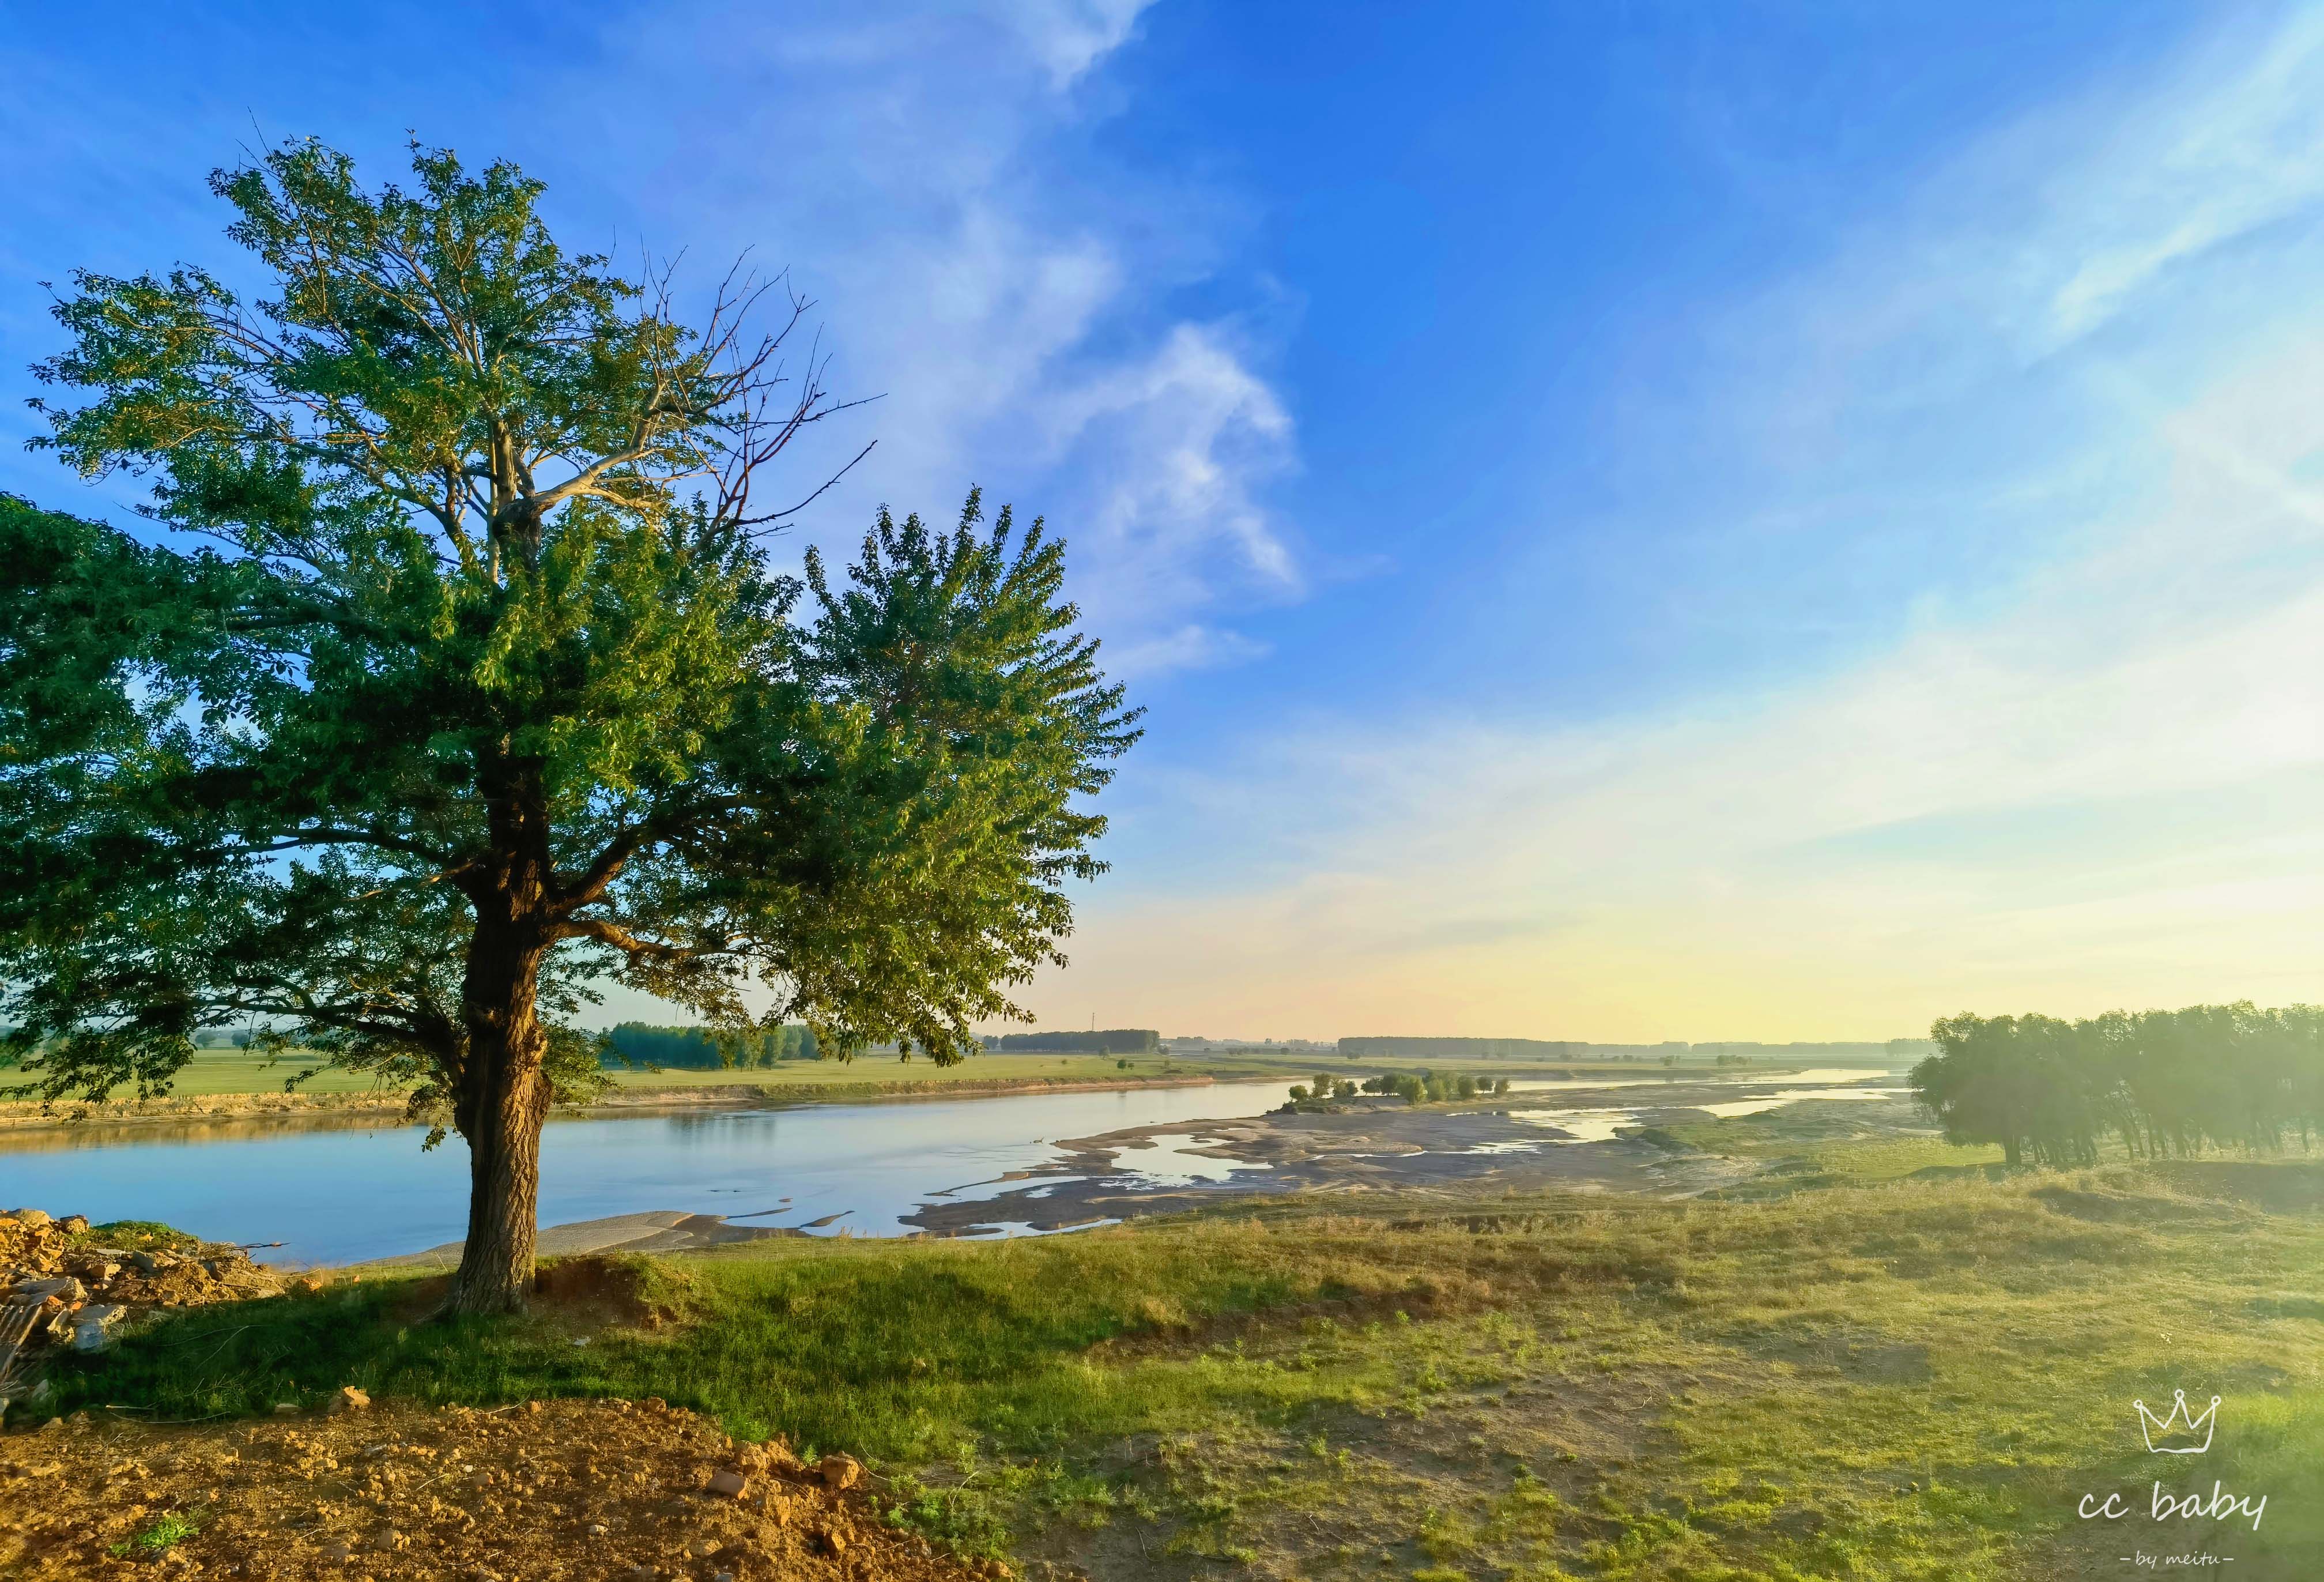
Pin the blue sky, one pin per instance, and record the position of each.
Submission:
(1630, 522)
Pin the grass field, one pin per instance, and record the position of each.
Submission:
(1913, 1378)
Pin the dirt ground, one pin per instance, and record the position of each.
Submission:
(548, 1492)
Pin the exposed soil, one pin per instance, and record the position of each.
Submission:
(549, 1492)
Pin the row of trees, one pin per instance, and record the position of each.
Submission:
(1415, 1086)
(1432, 1086)
(1103, 1041)
(2163, 1083)
(638, 1043)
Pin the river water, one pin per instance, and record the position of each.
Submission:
(348, 1191)
(342, 1195)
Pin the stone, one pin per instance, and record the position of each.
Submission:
(732, 1484)
(93, 1326)
(350, 1399)
(834, 1541)
(840, 1472)
(63, 1287)
(285, 1408)
(34, 1217)
(73, 1225)
(596, 1530)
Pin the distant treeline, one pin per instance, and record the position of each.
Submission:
(1105, 1040)
(2163, 1082)
(638, 1043)
(1458, 1048)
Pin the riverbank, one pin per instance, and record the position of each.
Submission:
(231, 1084)
(1908, 1380)
(628, 1098)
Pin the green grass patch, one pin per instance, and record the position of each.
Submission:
(135, 1235)
(166, 1534)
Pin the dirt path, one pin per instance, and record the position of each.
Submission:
(554, 1492)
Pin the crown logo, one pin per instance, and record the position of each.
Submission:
(2176, 1433)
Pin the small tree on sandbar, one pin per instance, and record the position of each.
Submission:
(459, 683)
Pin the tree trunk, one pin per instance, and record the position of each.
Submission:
(502, 1102)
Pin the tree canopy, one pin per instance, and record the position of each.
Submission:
(2163, 1083)
(458, 683)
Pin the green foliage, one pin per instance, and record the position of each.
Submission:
(462, 682)
(635, 1043)
(136, 1235)
(2163, 1083)
(1431, 1087)
(170, 1530)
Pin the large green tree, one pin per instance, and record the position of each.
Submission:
(458, 683)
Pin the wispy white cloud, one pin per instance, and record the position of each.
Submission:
(1182, 442)
(1070, 36)
(2202, 165)
(1191, 647)
(997, 283)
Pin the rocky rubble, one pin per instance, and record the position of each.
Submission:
(80, 1289)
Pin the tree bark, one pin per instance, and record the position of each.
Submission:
(504, 1100)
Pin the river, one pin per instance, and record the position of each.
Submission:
(345, 1192)
(347, 1195)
